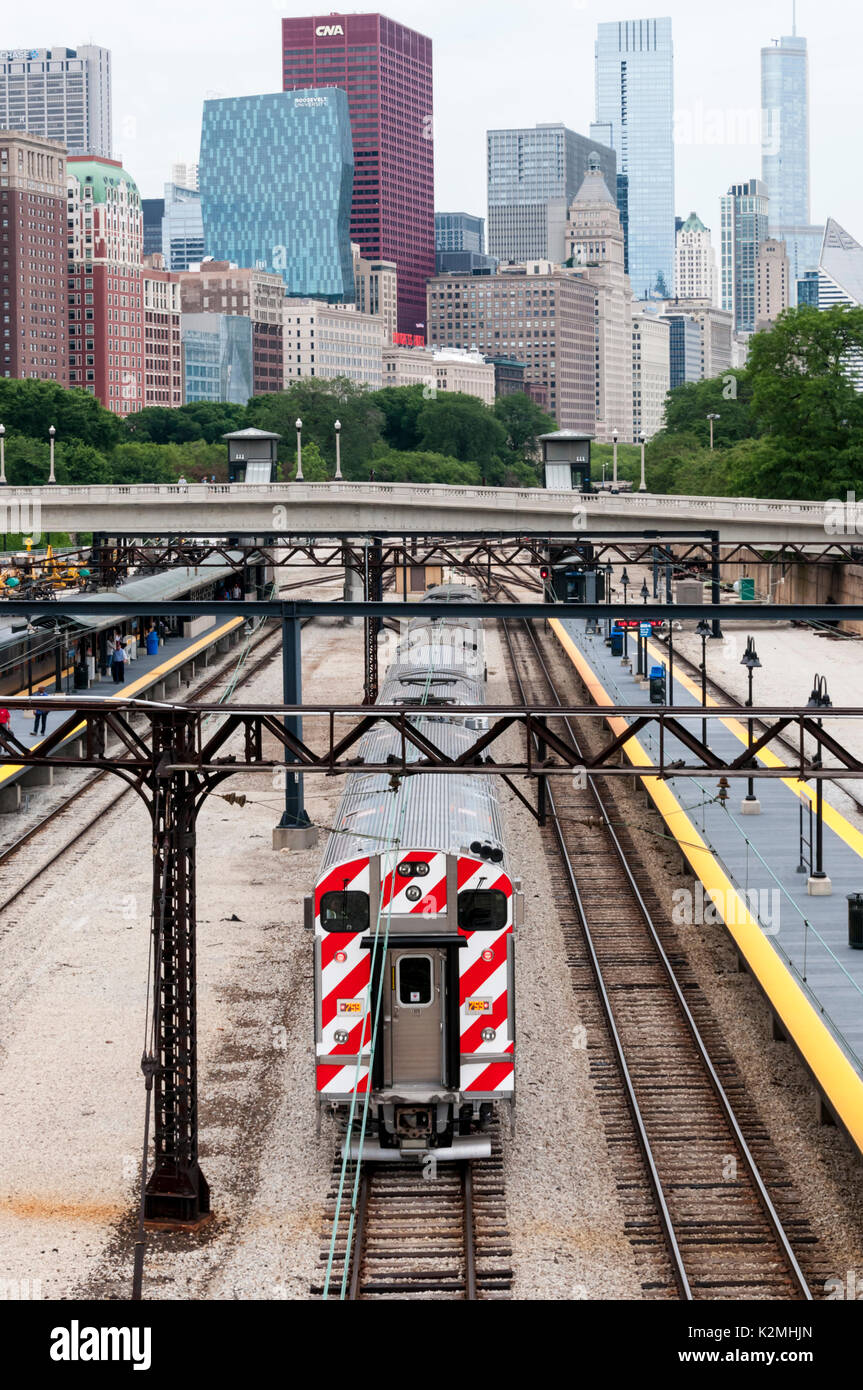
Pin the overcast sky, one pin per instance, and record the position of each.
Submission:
(497, 63)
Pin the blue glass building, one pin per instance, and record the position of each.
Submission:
(684, 349)
(217, 351)
(182, 228)
(785, 151)
(635, 115)
(276, 179)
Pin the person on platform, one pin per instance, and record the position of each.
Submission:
(118, 662)
(40, 715)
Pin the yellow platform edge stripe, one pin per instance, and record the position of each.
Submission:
(822, 1054)
(147, 680)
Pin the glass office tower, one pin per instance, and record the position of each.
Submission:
(744, 212)
(785, 151)
(635, 104)
(276, 177)
(182, 235)
(533, 175)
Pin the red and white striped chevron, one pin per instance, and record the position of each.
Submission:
(398, 894)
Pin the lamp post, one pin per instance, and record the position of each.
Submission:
(3, 454)
(614, 437)
(338, 429)
(642, 486)
(642, 641)
(819, 884)
(711, 418)
(625, 581)
(299, 426)
(609, 571)
(750, 806)
(703, 631)
(51, 433)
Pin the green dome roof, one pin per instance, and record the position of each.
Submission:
(693, 223)
(100, 176)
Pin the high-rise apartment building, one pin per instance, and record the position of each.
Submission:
(785, 151)
(106, 331)
(536, 313)
(716, 327)
(386, 71)
(218, 287)
(182, 233)
(650, 371)
(33, 257)
(744, 212)
(684, 349)
(695, 275)
(635, 115)
(275, 177)
(154, 211)
(772, 283)
(163, 353)
(533, 176)
(594, 246)
(61, 93)
(376, 290)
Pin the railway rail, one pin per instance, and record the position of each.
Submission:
(421, 1230)
(710, 1210)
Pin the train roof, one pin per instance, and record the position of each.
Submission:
(452, 593)
(435, 811)
(173, 584)
(445, 682)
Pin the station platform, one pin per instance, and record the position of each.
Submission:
(747, 865)
(157, 675)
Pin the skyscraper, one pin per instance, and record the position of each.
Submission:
(386, 70)
(62, 93)
(275, 179)
(33, 257)
(635, 115)
(694, 261)
(785, 150)
(106, 225)
(533, 176)
(772, 288)
(182, 231)
(744, 220)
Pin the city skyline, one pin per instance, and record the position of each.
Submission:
(513, 74)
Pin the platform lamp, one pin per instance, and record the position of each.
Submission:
(338, 429)
(642, 641)
(625, 581)
(614, 438)
(51, 433)
(819, 884)
(3, 454)
(609, 571)
(704, 630)
(750, 805)
(299, 428)
(642, 486)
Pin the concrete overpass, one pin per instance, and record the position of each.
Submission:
(221, 509)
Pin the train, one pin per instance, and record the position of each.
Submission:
(414, 913)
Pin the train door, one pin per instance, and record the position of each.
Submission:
(414, 1021)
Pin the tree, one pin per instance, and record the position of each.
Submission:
(319, 403)
(30, 407)
(461, 427)
(424, 467)
(524, 421)
(142, 463)
(729, 396)
(400, 407)
(315, 468)
(82, 464)
(206, 420)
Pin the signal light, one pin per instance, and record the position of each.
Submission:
(544, 572)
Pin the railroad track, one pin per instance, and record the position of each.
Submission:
(421, 1232)
(56, 818)
(709, 1208)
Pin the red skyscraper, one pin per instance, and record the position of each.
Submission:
(386, 71)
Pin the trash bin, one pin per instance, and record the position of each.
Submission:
(855, 921)
(81, 681)
(617, 641)
(153, 643)
(657, 685)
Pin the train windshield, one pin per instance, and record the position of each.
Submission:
(482, 909)
(344, 911)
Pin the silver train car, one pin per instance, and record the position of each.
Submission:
(414, 914)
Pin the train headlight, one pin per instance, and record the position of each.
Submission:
(340, 1037)
(488, 1034)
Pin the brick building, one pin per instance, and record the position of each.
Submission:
(163, 353)
(33, 257)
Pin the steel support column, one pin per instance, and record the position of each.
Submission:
(294, 818)
(373, 593)
(177, 1192)
(714, 579)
